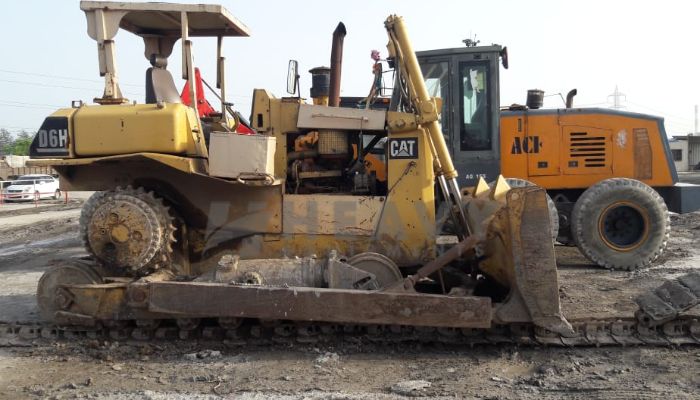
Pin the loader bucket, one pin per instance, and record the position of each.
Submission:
(518, 253)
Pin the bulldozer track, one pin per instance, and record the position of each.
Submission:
(593, 332)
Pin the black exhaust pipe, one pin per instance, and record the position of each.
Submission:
(570, 98)
(336, 65)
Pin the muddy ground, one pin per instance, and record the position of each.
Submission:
(32, 240)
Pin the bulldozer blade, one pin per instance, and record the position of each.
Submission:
(196, 299)
(535, 279)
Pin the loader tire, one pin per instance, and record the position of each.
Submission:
(621, 223)
(553, 213)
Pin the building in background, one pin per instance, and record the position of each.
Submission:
(13, 166)
(679, 152)
(686, 152)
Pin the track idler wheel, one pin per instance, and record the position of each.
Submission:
(382, 267)
(129, 231)
(52, 296)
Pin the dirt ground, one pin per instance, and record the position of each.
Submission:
(32, 240)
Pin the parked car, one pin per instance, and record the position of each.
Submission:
(32, 187)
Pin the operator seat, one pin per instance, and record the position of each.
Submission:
(159, 83)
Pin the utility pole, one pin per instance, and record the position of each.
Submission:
(616, 98)
(695, 131)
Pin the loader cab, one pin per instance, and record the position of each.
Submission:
(468, 77)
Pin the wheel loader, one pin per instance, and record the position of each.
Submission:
(194, 227)
(609, 174)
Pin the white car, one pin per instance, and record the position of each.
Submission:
(32, 187)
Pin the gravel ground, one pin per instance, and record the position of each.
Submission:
(207, 370)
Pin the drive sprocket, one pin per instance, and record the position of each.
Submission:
(128, 230)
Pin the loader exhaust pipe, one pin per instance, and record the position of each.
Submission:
(336, 65)
(570, 98)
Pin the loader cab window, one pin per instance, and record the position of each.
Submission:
(475, 124)
(436, 76)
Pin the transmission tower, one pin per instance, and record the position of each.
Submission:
(616, 95)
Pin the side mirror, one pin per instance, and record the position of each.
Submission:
(504, 57)
(293, 77)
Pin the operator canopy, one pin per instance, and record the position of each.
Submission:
(160, 25)
(162, 19)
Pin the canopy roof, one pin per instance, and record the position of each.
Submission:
(163, 19)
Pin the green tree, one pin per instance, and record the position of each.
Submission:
(25, 135)
(6, 140)
(18, 146)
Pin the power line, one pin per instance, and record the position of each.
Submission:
(45, 85)
(17, 128)
(48, 85)
(589, 105)
(60, 86)
(83, 80)
(62, 77)
(687, 119)
(20, 106)
(29, 104)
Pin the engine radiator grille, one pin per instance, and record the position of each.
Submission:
(587, 150)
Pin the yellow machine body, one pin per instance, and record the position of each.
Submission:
(151, 146)
(576, 148)
(401, 223)
(132, 128)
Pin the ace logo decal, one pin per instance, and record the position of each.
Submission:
(403, 148)
(528, 144)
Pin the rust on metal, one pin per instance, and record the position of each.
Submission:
(445, 258)
(336, 65)
(536, 279)
(314, 304)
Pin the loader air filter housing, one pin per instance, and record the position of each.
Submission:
(535, 98)
(320, 81)
(332, 143)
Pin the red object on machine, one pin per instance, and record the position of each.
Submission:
(242, 129)
(204, 109)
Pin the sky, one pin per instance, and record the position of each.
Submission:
(648, 49)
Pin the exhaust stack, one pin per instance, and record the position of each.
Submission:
(570, 98)
(336, 65)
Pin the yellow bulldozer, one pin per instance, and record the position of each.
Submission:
(194, 225)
